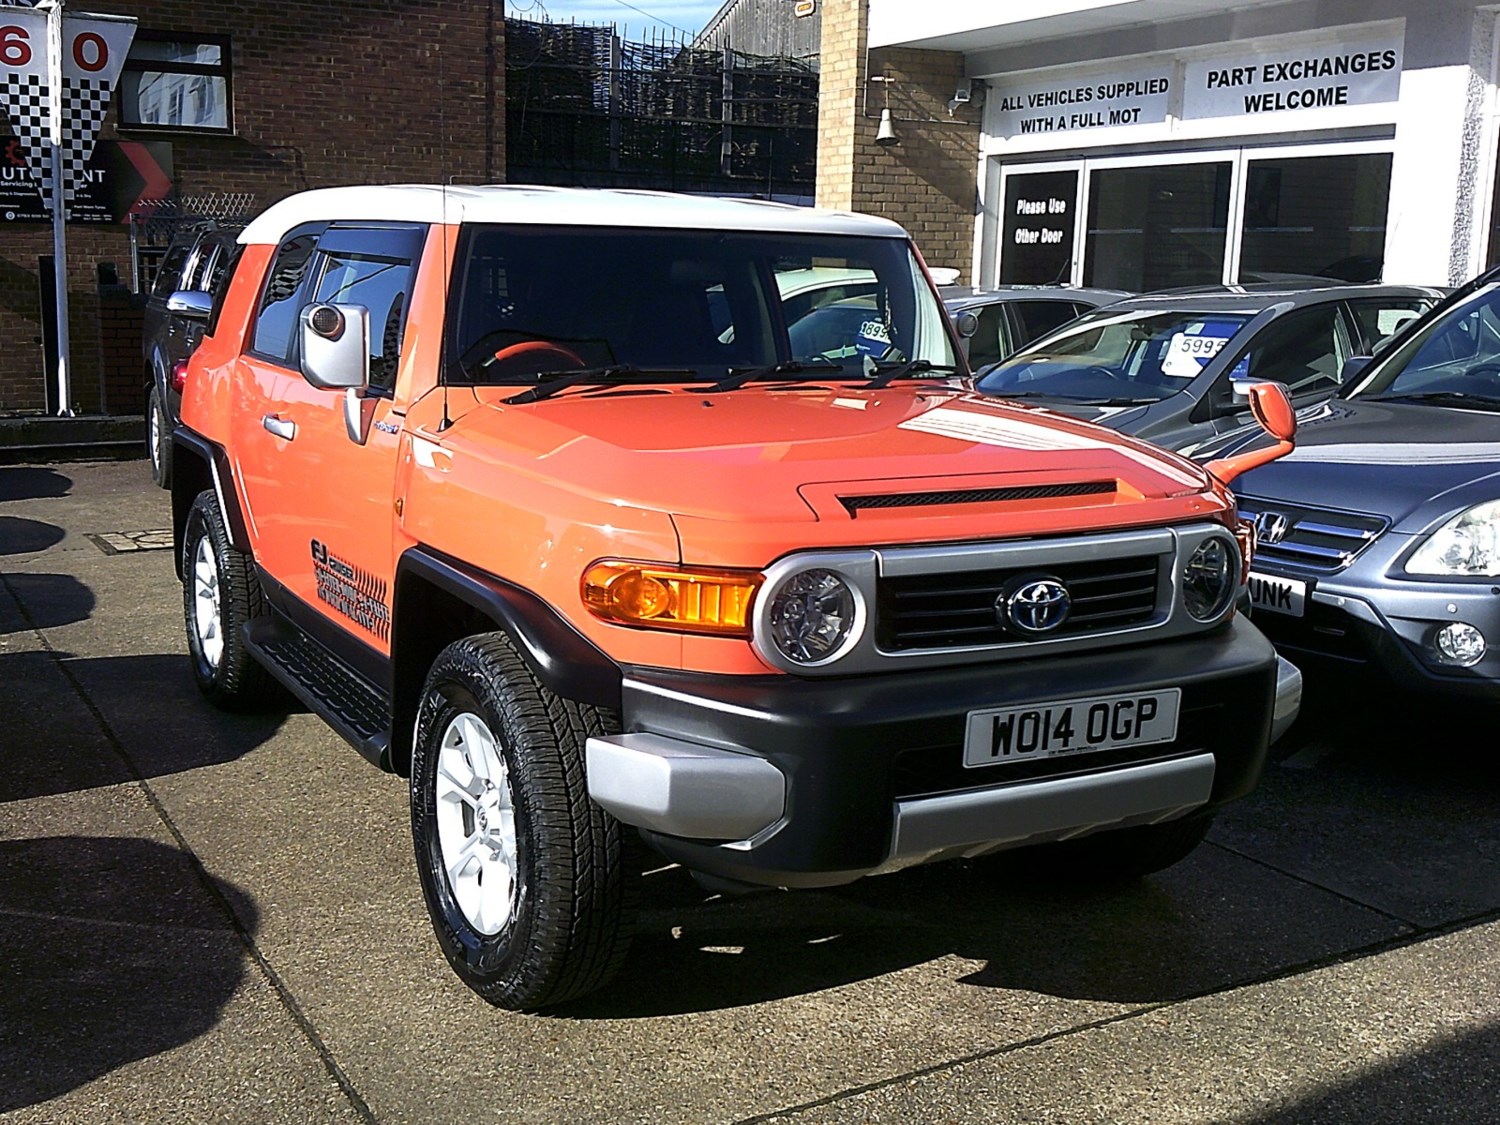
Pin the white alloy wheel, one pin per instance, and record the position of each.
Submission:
(476, 824)
(153, 424)
(208, 615)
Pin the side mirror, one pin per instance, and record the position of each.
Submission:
(336, 346)
(1240, 388)
(1272, 407)
(336, 356)
(967, 324)
(1355, 364)
(190, 303)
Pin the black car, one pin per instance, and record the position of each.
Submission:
(1379, 537)
(196, 261)
(1166, 366)
(995, 323)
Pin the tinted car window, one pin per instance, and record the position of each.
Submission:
(1138, 354)
(1037, 318)
(1458, 353)
(989, 344)
(276, 319)
(1304, 349)
(685, 302)
(1380, 318)
(383, 286)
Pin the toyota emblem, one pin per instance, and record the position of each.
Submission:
(1033, 605)
(1271, 528)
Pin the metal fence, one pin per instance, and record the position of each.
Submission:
(585, 107)
(155, 223)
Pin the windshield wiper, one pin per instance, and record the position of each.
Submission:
(739, 376)
(1446, 398)
(879, 376)
(564, 379)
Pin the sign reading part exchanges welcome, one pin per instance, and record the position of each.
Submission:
(1362, 71)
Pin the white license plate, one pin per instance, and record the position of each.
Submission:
(1071, 726)
(1278, 595)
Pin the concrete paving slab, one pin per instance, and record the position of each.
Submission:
(916, 988)
(1393, 1037)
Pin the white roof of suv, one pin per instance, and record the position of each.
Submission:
(553, 206)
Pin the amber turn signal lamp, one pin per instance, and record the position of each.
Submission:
(673, 598)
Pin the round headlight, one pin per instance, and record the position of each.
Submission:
(811, 616)
(1210, 578)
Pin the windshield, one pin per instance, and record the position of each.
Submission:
(1455, 355)
(534, 303)
(1140, 355)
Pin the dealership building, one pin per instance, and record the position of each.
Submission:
(1142, 144)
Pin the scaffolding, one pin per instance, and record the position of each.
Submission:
(586, 107)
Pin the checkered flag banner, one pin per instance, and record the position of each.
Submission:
(93, 50)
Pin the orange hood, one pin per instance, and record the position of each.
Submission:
(895, 465)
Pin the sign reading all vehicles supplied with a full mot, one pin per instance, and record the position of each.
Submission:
(1071, 105)
(1361, 71)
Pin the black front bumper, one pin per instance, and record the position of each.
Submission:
(851, 750)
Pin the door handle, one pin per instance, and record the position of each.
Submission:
(279, 426)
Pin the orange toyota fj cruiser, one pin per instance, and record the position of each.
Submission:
(595, 511)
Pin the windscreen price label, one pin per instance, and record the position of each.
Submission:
(1187, 355)
(1071, 726)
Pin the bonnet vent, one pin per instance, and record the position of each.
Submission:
(856, 504)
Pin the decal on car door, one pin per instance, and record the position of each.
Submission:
(351, 591)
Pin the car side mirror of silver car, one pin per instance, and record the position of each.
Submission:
(191, 303)
(967, 324)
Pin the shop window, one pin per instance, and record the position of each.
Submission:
(1316, 217)
(1157, 227)
(176, 82)
(1037, 228)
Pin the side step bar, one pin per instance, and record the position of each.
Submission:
(326, 685)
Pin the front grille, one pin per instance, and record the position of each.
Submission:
(1315, 539)
(856, 504)
(957, 609)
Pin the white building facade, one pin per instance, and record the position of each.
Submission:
(1144, 144)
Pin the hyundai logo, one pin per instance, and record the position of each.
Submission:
(1271, 528)
(1033, 605)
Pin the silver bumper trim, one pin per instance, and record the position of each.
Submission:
(1288, 697)
(682, 788)
(987, 820)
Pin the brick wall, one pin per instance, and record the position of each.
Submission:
(928, 181)
(325, 92)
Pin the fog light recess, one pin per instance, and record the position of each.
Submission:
(1460, 644)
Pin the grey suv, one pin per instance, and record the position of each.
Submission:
(1168, 367)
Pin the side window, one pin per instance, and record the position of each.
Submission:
(276, 318)
(219, 278)
(383, 286)
(169, 272)
(988, 344)
(1378, 320)
(1037, 318)
(1304, 349)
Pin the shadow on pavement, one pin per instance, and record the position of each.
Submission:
(1369, 846)
(32, 482)
(25, 537)
(50, 600)
(51, 743)
(1452, 1081)
(112, 950)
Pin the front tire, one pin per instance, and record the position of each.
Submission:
(220, 593)
(523, 875)
(158, 439)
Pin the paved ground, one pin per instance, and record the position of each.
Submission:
(214, 918)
